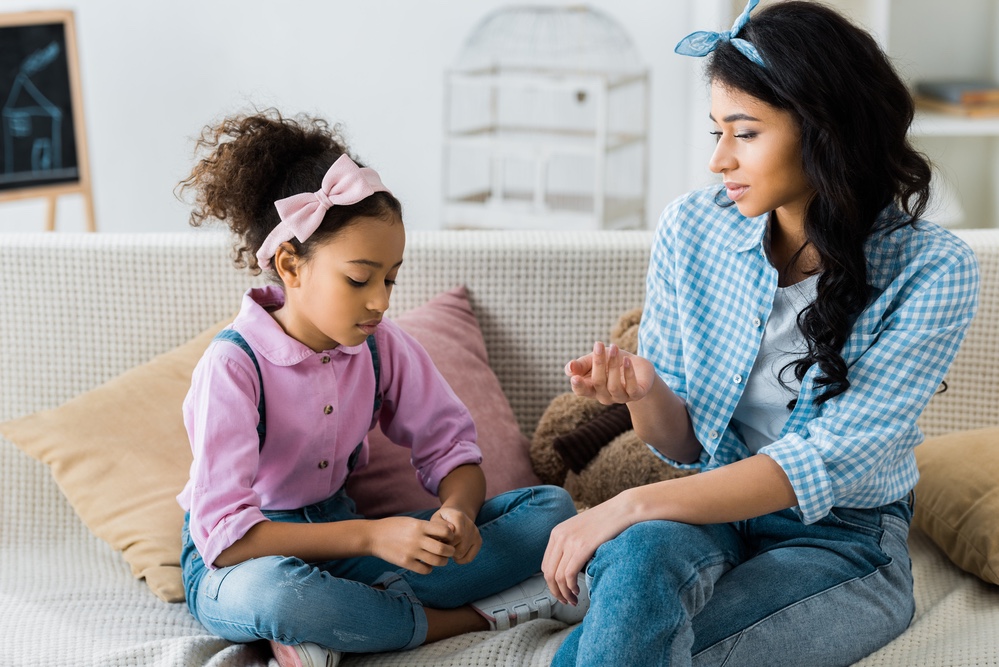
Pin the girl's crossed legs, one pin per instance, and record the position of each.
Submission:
(336, 604)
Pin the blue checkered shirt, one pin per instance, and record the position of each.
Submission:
(710, 289)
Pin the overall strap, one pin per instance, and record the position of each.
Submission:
(378, 368)
(234, 337)
(376, 364)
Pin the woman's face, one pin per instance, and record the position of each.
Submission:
(758, 154)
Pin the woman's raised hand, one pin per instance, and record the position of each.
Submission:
(611, 375)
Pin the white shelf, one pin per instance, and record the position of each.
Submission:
(528, 142)
(929, 124)
(517, 141)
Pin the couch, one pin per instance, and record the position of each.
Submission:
(80, 309)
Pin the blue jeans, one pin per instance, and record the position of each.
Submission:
(768, 591)
(333, 603)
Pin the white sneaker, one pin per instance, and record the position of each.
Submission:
(305, 655)
(531, 599)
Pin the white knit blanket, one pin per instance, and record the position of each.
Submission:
(106, 618)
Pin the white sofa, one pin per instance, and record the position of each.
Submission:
(78, 310)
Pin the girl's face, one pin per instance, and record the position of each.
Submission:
(758, 154)
(338, 297)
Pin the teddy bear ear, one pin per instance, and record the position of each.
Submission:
(578, 447)
(563, 415)
(625, 332)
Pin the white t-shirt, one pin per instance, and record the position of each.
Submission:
(762, 410)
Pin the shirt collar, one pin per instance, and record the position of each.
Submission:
(265, 335)
(747, 233)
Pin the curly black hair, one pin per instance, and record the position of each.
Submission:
(250, 161)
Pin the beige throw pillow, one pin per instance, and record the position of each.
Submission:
(957, 498)
(120, 455)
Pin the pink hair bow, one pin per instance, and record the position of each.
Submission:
(345, 183)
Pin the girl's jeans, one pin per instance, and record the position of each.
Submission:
(333, 603)
(768, 591)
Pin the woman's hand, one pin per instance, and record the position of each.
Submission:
(414, 544)
(611, 375)
(465, 537)
(574, 541)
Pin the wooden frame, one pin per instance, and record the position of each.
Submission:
(27, 114)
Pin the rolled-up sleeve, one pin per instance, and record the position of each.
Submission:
(858, 450)
(422, 412)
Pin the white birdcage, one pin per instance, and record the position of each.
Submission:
(546, 124)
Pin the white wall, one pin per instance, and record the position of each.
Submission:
(154, 73)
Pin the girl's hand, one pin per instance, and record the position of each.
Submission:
(611, 375)
(414, 544)
(465, 537)
(573, 542)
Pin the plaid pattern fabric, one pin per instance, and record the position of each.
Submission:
(710, 289)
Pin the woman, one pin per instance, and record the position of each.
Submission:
(796, 323)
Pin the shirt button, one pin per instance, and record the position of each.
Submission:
(737, 379)
(323, 464)
(757, 322)
(713, 435)
(326, 359)
(328, 409)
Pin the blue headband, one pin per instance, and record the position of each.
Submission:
(702, 43)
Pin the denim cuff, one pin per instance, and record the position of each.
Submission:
(393, 581)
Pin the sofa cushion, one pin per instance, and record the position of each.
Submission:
(957, 498)
(120, 452)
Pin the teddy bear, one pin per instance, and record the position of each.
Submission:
(590, 449)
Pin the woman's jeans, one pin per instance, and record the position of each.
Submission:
(769, 591)
(333, 603)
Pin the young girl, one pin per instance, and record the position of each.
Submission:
(278, 413)
(796, 323)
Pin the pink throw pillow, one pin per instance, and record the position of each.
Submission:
(446, 327)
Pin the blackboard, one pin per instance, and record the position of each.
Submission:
(42, 146)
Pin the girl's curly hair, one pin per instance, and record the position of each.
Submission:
(247, 162)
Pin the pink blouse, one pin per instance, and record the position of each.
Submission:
(318, 409)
